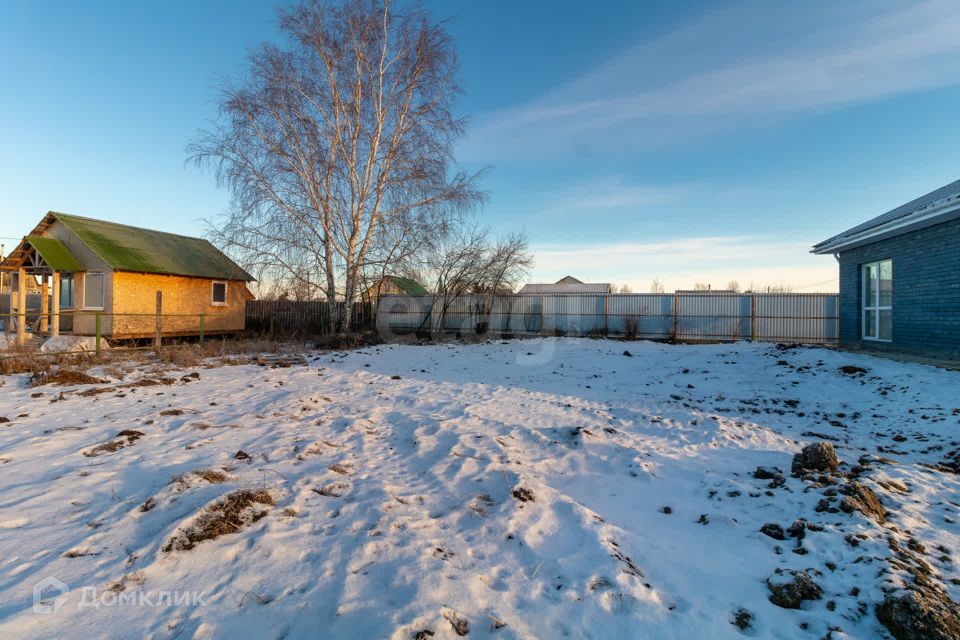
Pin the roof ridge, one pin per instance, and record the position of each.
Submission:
(60, 214)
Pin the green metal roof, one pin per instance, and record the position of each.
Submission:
(55, 253)
(409, 285)
(127, 248)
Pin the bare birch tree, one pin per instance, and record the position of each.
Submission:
(338, 146)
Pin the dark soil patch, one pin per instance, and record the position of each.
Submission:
(64, 377)
(851, 370)
(144, 382)
(742, 619)
(172, 412)
(230, 514)
(523, 494)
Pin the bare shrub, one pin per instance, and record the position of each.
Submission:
(185, 355)
(631, 328)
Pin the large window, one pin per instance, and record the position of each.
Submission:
(93, 291)
(878, 301)
(219, 294)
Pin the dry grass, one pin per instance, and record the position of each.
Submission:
(120, 361)
(184, 355)
(230, 514)
(211, 475)
(125, 438)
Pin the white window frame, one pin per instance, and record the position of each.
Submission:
(874, 305)
(226, 293)
(103, 290)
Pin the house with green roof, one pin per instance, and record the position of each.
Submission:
(94, 271)
(393, 286)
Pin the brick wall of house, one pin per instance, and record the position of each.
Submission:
(926, 290)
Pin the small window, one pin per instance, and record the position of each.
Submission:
(93, 291)
(219, 295)
(66, 291)
(878, 301)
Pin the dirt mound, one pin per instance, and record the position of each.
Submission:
(230, 514)
(63, 377)
(926, 614)
(819, 456)
(794, 591)
(864, 500)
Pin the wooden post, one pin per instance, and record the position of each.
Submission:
(753, 317)
(44, 304)
(21, 306)
(201, 328)
(55, 328)
(159, 328)
(96, 345)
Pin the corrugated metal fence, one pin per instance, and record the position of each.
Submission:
(808, 318)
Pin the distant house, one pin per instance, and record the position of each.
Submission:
(900, 276)
(568, 284)
(391, 286)
(95, 266)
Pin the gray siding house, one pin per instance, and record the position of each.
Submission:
(900, 277)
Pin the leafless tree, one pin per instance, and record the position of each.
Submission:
(624, 288)
(468, 263)
(734, 286)
(656, 286)
(337, 146)
(701, 286)
(771, 288)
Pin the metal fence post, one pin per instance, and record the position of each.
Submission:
(201, 328)
(271, 327)
(676, 315)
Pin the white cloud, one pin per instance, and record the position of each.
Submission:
(695, 79)
(680, 263)
(613, 192)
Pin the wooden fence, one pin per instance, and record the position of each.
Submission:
(713, 317)
(290, 318)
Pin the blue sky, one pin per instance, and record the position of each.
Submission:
(680, 141)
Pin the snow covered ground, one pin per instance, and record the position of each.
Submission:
(532, 489)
